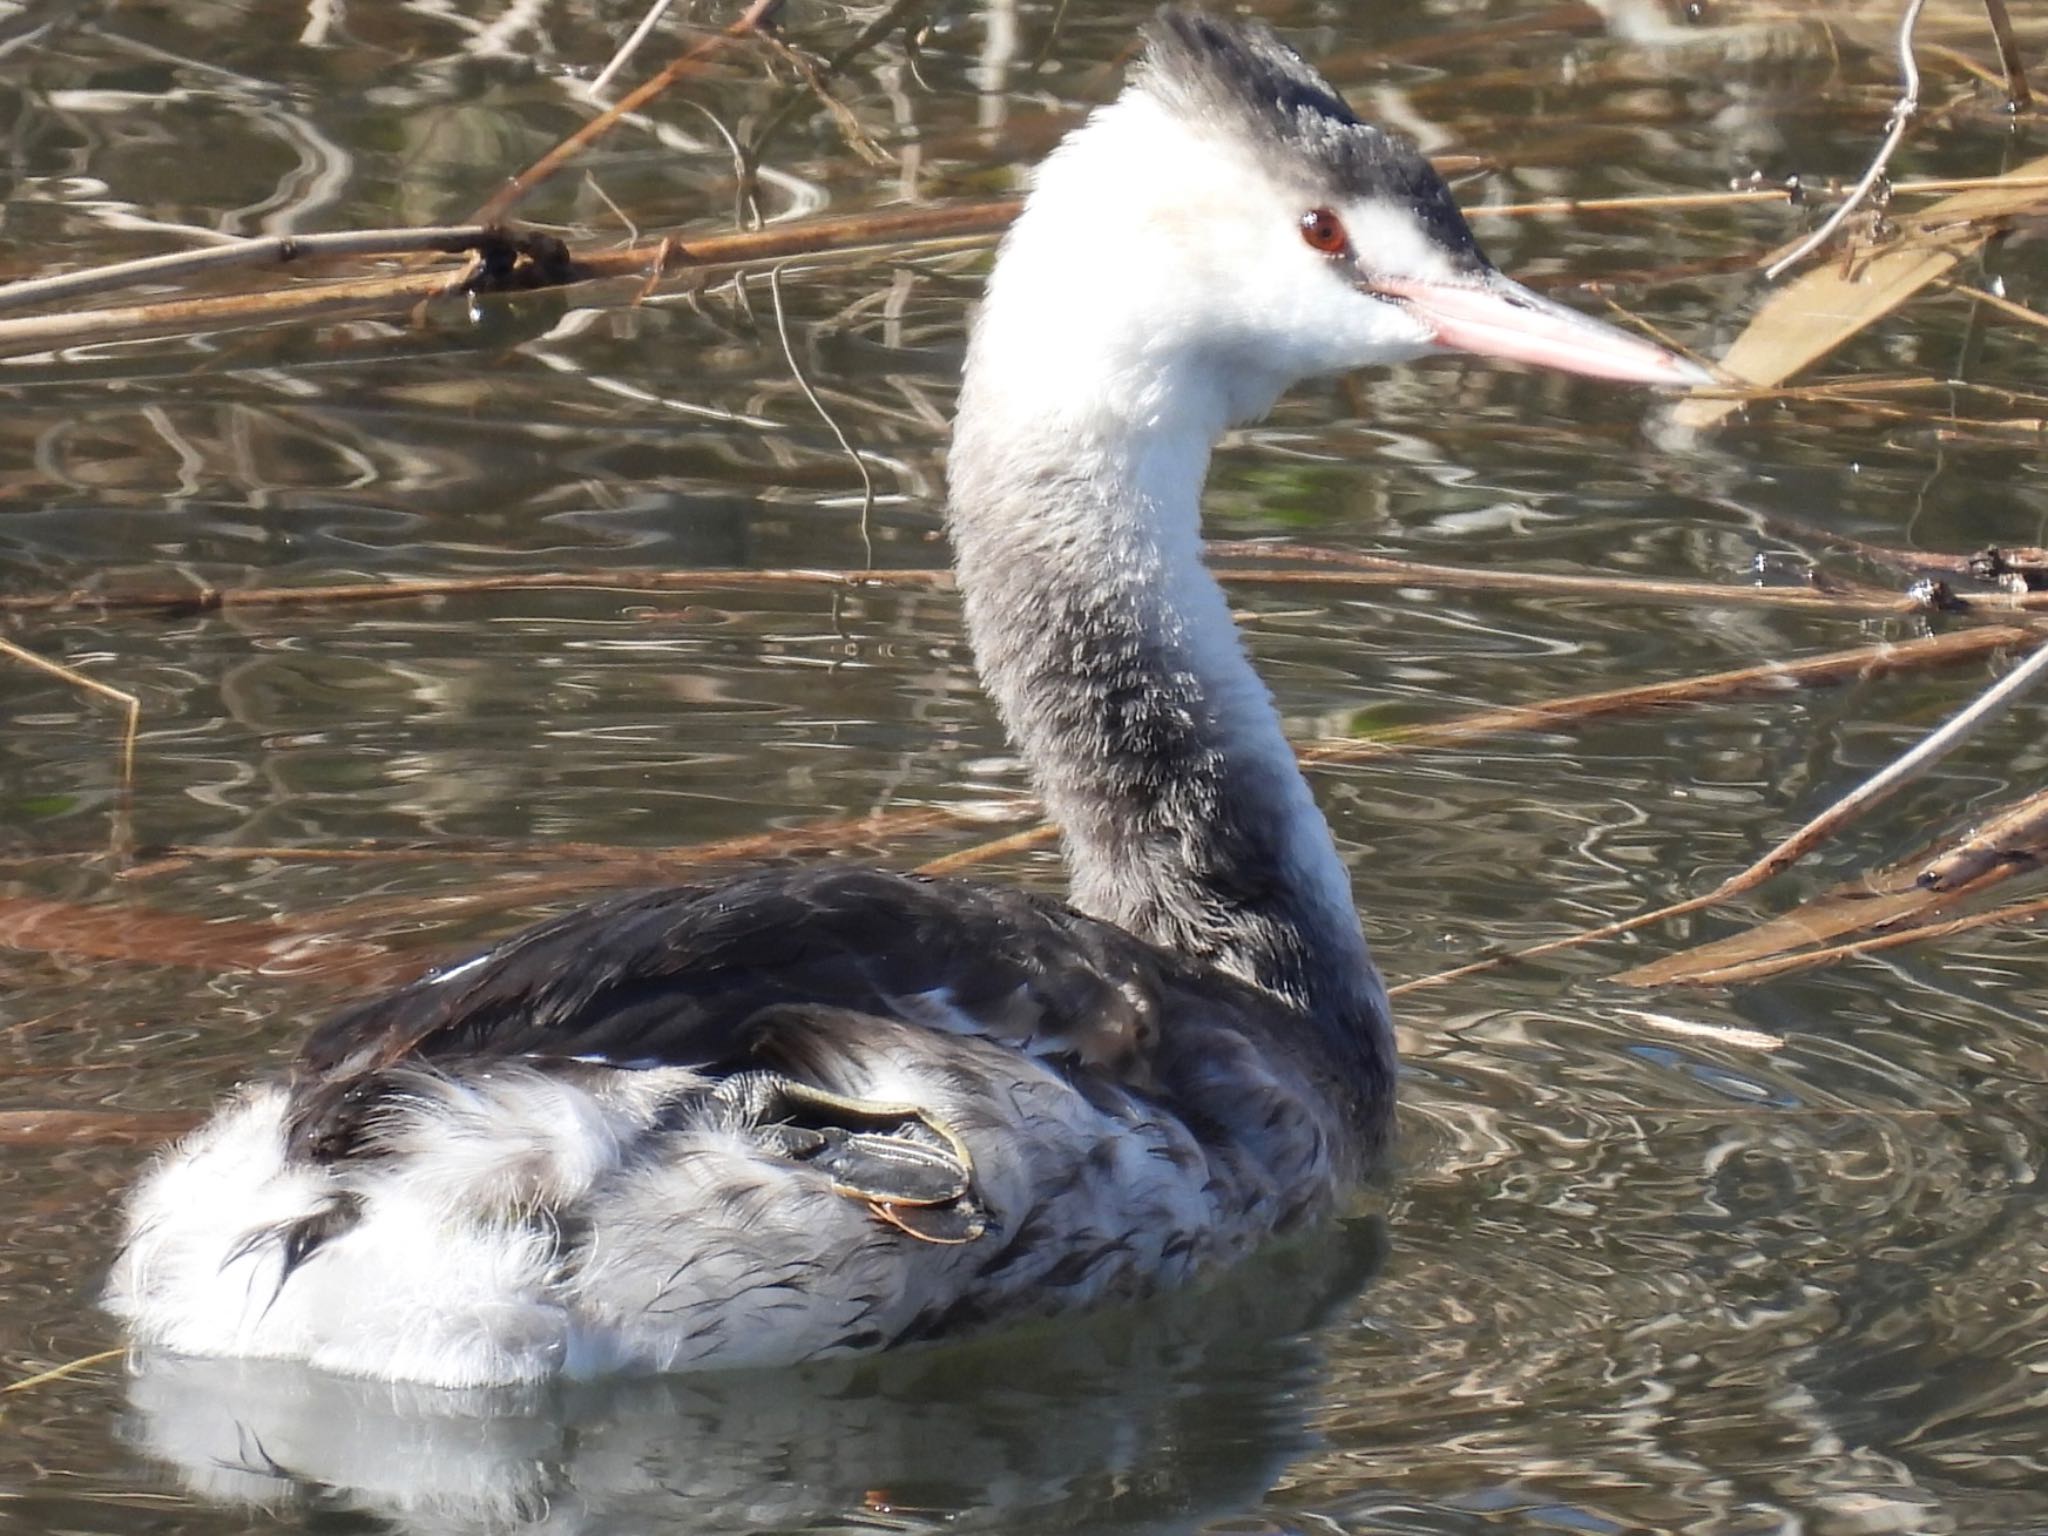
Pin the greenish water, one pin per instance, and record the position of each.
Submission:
(1766, 1259)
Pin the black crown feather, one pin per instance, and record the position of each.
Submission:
(1239, 77)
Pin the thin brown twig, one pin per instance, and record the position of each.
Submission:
(273, 307)
(807, 840)
(1666, 202)
(174, 602)
(746, 847)
(1925, 186)
(995, 848)
(1997, 301)
(1863, 663)
(1360, 568)
(509, 196)
(1339, 568)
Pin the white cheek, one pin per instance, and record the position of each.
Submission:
(1306, 317)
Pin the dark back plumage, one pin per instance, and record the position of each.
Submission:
(1240, 78)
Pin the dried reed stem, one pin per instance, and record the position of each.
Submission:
(539, 262)
(1806, 959)
(69, 1368)
(277, 250)
(2017, 96)
(1343, 568)
(1556, 714)
(1989, 706)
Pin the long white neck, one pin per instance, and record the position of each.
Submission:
(1079, 455)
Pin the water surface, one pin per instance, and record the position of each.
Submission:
(1765, 1259)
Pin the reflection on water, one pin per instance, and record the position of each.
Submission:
(1159, 1418)
(1770, 1260)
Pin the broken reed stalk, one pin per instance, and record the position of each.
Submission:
(1987, 707)
(1895, 133)
(1575, 709)
(69, 1367)
(121, 833)
(1826, 305)
(2017, 96)
(995, 848)
(1807, 959)
(1997, 301)
(131, 706)
(1387, 570)
(1992, 845)
(176, 603)
(508, 197)
(276, 250)
(1908, 893)
(546, 264)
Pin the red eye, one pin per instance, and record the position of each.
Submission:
(1324, 232)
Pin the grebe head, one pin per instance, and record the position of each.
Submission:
(1228, 226)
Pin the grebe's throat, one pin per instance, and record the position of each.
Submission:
(1111, 654)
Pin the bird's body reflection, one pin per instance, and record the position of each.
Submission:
(1154, 1418)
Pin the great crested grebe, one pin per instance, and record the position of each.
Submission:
(805, 1113)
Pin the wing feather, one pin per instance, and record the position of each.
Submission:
(680, 977)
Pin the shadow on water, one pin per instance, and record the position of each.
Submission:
(1164, 1417)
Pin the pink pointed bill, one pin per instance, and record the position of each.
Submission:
(1493, 316)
